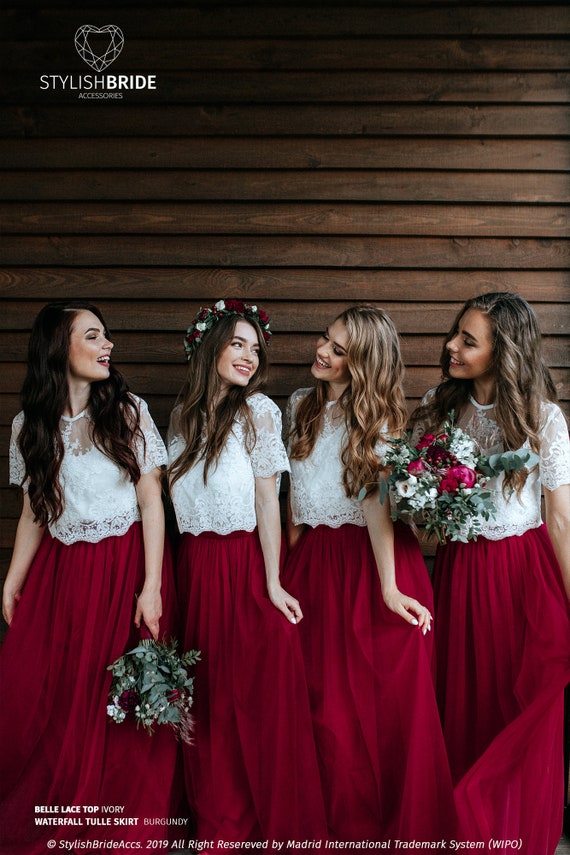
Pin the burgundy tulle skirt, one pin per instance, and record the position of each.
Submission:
(382, 757)
(58, 747)
(252, 774)
(503, 644)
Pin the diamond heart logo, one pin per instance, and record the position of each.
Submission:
(108, 39)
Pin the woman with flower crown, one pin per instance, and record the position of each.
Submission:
(366, 595)
(252, 774)
(88, 575)
(502, 608)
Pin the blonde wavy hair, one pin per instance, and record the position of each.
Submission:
(373, 403)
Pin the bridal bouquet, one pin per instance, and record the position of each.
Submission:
(151, 682)
(442, 480)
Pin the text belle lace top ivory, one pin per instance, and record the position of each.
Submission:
(517, 514)
(227, 502)
(317, 494)
(100, 499)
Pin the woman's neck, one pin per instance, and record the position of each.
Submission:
(78, 399)
(484, 391)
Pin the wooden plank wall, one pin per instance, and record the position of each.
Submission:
(303, 156)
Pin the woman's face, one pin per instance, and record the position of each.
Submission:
(89, 349)
(471, 348)
(331, 363)
(239, 360)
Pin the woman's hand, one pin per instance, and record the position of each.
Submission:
(149, 611)
(286, 604)
(409, 609)
(10, 599)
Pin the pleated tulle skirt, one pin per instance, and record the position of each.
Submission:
(58, 747)
(381, 752)
(252, 774)
(503, 645)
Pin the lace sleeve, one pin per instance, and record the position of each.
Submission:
(290, 410)
(420, 428)
(17, 465)
(268, 455)
(555, 449)
(151, 453)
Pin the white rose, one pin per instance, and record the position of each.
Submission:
(407, 487)
(201, 326)
(220, 305)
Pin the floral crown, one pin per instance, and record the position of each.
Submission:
(206, 318)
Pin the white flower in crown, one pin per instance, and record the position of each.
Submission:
(209, 316)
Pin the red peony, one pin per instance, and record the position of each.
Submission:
(425, 441)
(416, 466)
(456, 477)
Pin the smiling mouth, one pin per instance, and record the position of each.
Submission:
(243, 369)
(320, 363)
(453, 361)
(104, 360)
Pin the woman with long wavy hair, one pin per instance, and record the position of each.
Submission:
(366, 595)
(252, 775)
(502, 612)
(88, 574)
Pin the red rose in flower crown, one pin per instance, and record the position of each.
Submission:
(207, 317)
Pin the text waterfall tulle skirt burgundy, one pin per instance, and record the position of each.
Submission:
(382, 757)
(59, 749)
(503, 645)
(252, 774)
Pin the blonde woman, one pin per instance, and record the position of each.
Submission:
(366, 595)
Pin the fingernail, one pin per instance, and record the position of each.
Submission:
(414, 622)
(424, 630)
(293, 620)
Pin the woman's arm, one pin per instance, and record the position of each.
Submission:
(557, 506)
(269, 528)
(381, 532)
(149, 602)
(293, 532)
(28, 538)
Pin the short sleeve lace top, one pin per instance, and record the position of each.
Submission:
(317, 493)
(517, 514)
(99, 497)
(227, 502)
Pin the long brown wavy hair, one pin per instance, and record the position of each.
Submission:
(522, 379)
(205, 424)
(373, 402)
(45, 394)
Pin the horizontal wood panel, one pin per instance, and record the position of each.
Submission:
(209, 284)
(281, 20)
(310, 153)
(294, 54)
(299, 119)
(358, 184)
(221, 250)
(289, 218)
(410, 318)
(331, 87)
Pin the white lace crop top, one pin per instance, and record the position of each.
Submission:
(227, 502)
(517, 514)
(99, 497)
(317, 494)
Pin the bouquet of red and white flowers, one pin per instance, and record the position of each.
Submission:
(442, 480)
(151, 682)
